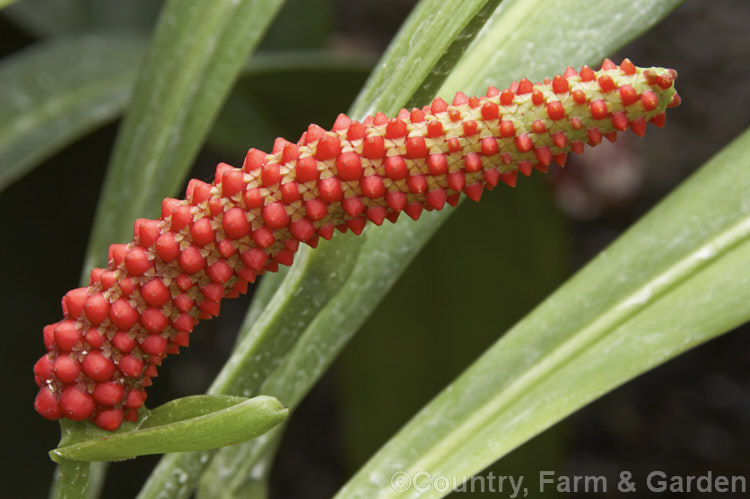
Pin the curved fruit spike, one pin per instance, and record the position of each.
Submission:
(209, 246)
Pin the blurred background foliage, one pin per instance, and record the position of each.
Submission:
(525, 242)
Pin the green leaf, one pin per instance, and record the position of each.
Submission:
(50, 18)
(182, 425)
(671, 282)
(197, 53)
(59, 90)
(5, 3)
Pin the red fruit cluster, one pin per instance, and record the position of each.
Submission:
(209, 246)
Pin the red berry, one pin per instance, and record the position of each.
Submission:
(135, 399)
(417, 183)
(98, 367)
(109, 394)
(166, 247)
(560, 85)
(353, 206)
(252, 198)
(181, 217)
(191, 260)
(330, 190)
(263, 237)
(434, 129)
(490, 111)
(316, 209)
(489, 145)
(155, 293)
(396, 200)
(76, 405)
(154, 320)
(275, 216)
(628, 95)
(555, 110)
(66, 369)
(202, 232)
(130, 366)
(328, 147)
(270, 174)
(415, 147)
(232, 182)
(395, 167)
(302, 229)
(349, 166)
(67, 335)
(46, 404)
(43, 367)
(73, 302)
(154, 344)
(606, 83)
(437, 164)
(109, 419)
(219, 272)
(123, 342)
(197, 192)
(523, 143)
(373, 147)
(306, 169)
(598, 109)
(373, 187)
(650, 100)
(395, 129)
(122, 314)
(96, 309)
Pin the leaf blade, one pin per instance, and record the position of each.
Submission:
(59, 90)
(223, 423)
(51, 18)
(5, 3)
(578, 345)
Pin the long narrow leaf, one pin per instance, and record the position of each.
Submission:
(388, 249)
(59, 90)
(5, 3)
(197, 52)
(670, 283)
(51, 18)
